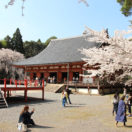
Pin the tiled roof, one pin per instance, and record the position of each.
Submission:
(60, 51)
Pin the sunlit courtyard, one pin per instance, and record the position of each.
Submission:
(86, 113)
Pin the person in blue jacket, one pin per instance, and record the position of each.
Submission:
(121, 113)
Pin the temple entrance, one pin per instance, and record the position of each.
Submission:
(53, 74)
(53, 77)
(41, 76)
(64, 76)
(75, 76)
(34, 76)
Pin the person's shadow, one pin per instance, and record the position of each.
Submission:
(39, 126)
(128, 126)
(36, 126)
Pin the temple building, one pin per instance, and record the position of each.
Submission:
(61, 59)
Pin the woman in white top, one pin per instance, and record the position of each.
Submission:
(115, 103)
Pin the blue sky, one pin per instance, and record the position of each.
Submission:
(62, 18)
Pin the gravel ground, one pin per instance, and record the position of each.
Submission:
(85, 114)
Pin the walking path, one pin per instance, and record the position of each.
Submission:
(86, 114)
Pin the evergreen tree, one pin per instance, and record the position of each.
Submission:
(126, 8)
(33, 48)
(3, 44)
(17, 42)
(39, 41)
(0, 45)
(8, 41)
(49, 39)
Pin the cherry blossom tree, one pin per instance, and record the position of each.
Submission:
(114, 60)
(7, 57)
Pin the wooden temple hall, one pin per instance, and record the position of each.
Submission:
(60, 60)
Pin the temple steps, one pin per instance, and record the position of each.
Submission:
(3, 103)
(55, 88)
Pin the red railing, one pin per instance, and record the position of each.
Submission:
(24, 82)
(10, 84)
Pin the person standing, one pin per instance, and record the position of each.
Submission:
(129, 103)
(63, 97)
(77, 79)
(115, 103)
(48, 79)
(53, 79)
(73, 79)
(68, 94)
(121, 113)
(36, 82)
(124, 91)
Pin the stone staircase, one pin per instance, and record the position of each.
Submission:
(55, 88)
(3, 103)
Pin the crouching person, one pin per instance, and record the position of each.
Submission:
(25, 119)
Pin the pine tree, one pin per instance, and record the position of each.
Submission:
(17, 42)
(8, 41)
(126, 8)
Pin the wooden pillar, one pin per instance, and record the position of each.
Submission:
(16, 83)
(80, 77)
(42, 89)
(38, 74)
(5, 87)
(46, 75)
(19, 82)
(70, 75)
(10, 81)
(10, 84)
(25, 94)
(31, 76)
(98, 88)
(59, 77)
(68, 67)
(81, 72)
(25, 72)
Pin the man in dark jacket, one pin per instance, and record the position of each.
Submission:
(68, 94)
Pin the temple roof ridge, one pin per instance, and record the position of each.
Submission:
(66, 38)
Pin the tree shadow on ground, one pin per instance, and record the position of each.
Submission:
(19, 100)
